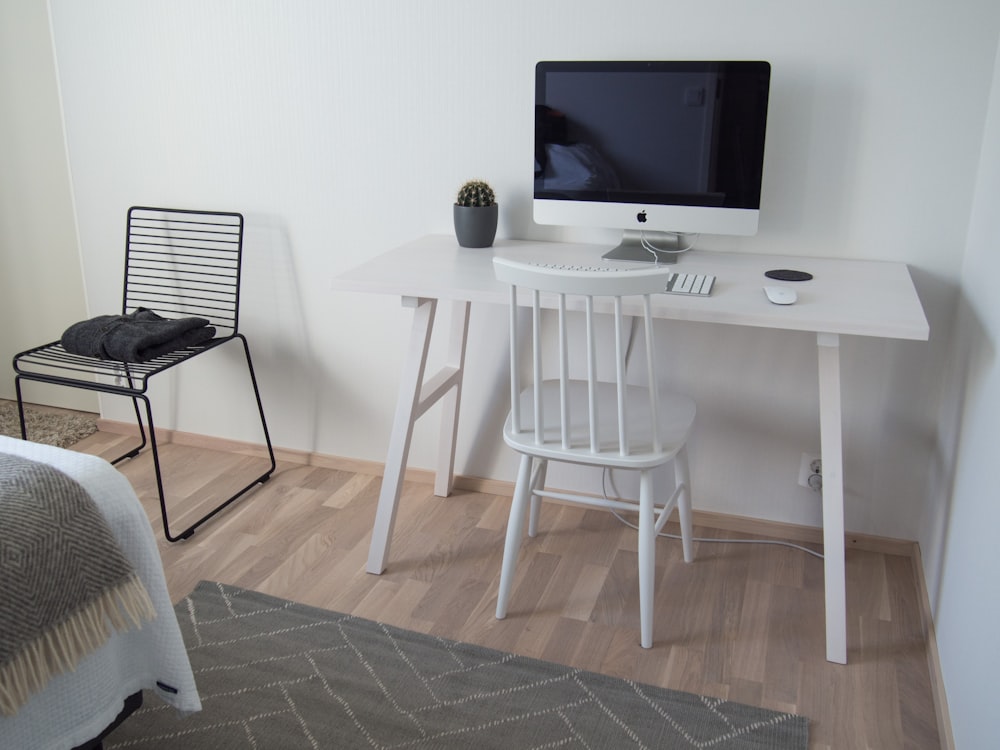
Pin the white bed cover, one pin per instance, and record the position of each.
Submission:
(77, 706)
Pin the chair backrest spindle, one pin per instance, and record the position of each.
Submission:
(515, 363)
(563, 374)
(592, 401)
(536, 365)
(654, 393)
(620, 377)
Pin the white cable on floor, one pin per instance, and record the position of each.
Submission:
(706, 539)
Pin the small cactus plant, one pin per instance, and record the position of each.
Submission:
(475, 193)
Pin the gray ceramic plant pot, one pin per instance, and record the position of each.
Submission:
(476, 226)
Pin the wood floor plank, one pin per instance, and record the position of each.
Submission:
(743, 621)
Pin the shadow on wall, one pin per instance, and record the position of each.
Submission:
(972, 356)
(275, 322)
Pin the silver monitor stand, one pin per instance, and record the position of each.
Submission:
(649, 247)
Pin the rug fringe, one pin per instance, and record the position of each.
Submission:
(60, 649)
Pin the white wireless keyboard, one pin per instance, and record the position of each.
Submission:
(690, 283)
(698, 284)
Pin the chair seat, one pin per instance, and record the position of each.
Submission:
(51, 363)
(677, 413)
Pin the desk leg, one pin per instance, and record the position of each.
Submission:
(407, 403)
(415, 397)
(453, 399)
(831, 440)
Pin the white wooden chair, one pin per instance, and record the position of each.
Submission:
(615, 425)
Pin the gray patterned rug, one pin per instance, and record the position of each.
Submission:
(61, 429)
(274, 674)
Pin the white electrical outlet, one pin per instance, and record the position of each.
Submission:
(811, 471)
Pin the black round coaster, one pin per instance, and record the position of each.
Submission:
(784, 274)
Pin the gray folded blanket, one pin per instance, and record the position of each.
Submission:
(66, 583)
(137, 337)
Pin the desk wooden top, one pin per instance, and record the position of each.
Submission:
(853, 297)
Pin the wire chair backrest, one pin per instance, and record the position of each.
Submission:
(181, 263)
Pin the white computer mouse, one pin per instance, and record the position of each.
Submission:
(780, 295)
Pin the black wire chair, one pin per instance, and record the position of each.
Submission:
(178, 263)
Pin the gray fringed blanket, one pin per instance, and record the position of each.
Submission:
(65, 581)
(137, 337)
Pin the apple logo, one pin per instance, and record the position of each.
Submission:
(641, 217)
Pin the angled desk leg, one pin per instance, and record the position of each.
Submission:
(415, 397)
(831, 441)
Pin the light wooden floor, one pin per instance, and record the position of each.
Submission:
(743, 622)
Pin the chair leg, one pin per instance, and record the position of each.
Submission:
(133, 452)
(647, 557)
(515, 528)
(683, 477)
(238, 494)
(20, 408)
(537, 483)
(260, 410)
(159, 474)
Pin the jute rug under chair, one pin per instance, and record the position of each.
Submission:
(274, 674)
(59, 428)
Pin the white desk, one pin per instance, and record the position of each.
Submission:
(845, 297)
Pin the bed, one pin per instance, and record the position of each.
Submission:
(74, 708)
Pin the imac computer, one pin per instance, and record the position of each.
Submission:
(659, 149)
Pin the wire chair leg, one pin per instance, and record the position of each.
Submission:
(260, 410)
(186, 533)
(133, 452)
(20, 408)
(157, 473)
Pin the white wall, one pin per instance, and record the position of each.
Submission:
(36, 210)
(343, 129)
(963, 568)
